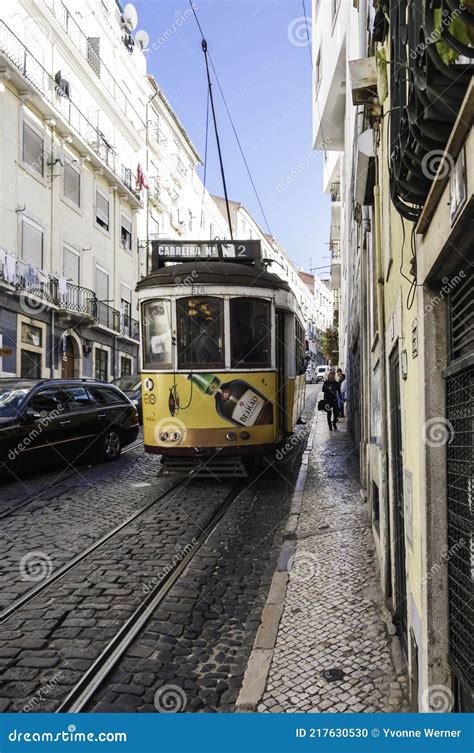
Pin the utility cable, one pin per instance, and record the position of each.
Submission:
(233, 126)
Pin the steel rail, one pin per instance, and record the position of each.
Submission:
(94, 677)
(75, 561)
(36, 497)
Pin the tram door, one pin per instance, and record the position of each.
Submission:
(281, 376)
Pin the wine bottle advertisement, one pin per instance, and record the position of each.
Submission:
(191, 407)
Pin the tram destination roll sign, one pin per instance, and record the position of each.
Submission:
(172, 251)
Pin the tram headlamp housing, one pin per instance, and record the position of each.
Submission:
(164, 436)
(231, 436)
(175, 437)
(244, 435)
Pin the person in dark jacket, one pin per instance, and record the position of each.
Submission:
(332, 393)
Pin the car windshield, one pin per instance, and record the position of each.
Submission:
(127, 383)
(11, 399)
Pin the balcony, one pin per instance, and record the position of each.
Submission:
(157, 137)
(75, 304)
(85, 46)
(155, 193)
(31, 79)
(335, 191)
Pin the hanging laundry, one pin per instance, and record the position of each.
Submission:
(62, 287)
(43, 277)
(141, 178)
(10, 268)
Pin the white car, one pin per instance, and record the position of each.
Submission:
(320, 373)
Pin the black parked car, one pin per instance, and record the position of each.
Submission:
(56, 421)
(132, 387)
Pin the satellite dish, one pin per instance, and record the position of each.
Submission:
(142, 39)
(366, 143)
(130, 16)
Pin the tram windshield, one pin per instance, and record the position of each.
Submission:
(200, 329)
(157, 335)
(250, 333)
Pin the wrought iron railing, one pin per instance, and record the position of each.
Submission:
(154, 188)
(32, 70)
(75, 299)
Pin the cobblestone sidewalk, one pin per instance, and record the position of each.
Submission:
(335, 647)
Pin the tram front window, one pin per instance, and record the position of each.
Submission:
(200, 333)
(156, 323)
(250, 332)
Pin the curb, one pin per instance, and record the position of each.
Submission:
(259, 663)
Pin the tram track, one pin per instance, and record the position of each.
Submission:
(69, 566)
(92, 680)
(52, 487)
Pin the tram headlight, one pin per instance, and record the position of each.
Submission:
(231, 435)
(244, 435)
(176, 436)
(164, 436)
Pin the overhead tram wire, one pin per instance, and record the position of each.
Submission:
(233, 125)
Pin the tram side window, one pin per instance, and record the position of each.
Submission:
(250, 332)
(300, 348)
(156, 325)
(200, 325)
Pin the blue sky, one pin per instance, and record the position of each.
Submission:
(262, 59)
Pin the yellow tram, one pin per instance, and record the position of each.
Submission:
(223, 355)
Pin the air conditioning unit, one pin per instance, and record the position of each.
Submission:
(363, 75)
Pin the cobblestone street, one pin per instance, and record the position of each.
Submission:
(335, 650)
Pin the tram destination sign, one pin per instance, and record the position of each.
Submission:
(172, 251)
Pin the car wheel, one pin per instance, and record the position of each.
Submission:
(111, 445)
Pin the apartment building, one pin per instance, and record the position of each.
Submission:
(312, 294)
(407, 279)
(95, 165)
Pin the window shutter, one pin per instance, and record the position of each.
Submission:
(33, 148)
(71, 266)
(126, 223)
(102, 208)
(32, 245)
(125, 294)
(72, 184)
(101, 285)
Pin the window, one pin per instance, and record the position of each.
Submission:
(200, 325)
(107, 395)
(101, 285)
(31, 244)
(153, 229)
(30, 364)
(93, 53)
(31, 335)
(101, 364)
(126, 232)
(126, 309)
(300, 348)
(48, 400)
(72, 184)
(318, 71)
(79, 397)
(156, 324)
(71, 266)
(250, 328)
(125, 366)
(33, 148)
(101, 210)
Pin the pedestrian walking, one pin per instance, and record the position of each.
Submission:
(342, 395)
(331, 392)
